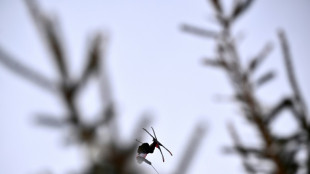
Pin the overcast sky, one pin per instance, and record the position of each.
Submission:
(153, 67)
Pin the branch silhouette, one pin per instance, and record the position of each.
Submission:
(279, 151)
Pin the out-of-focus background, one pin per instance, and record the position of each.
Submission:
(154, 69)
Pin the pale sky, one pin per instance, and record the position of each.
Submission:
(153, 67)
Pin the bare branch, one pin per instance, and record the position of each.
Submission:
(291, 72)
(55, 44)
(199, 31)
(265, 78)
(191, 149)
(300, 103)
(215, 62)
(93, 58)
(104, 80)
(217, 5)
(240, 7)
(245, 151)
(238, 143)
(51, 35)
(285, 103)
(50, 121)
(234, 134)
(257, 60)
(25, 72)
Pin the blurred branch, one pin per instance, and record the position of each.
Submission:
(215, 63)
(265, 78)
(104, 81)
(217, 5)
(281, 154)
(274, 112)
(240, 7)
(50, 121)
(238, 145)
(52, 39)
(198, 31)
(92, 60)
(300, 104)
(106, 152)
(49, 31)
(246, 151)
(25, 72)
(192, 147)
(291, 75)
(257, 60)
